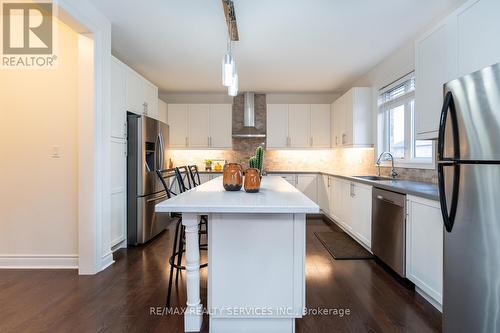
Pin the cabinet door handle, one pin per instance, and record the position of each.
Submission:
(311, 141)
(336, 140)
(186, 141)
(343, 139)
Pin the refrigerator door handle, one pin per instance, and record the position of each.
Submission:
(449, 218)
(448, 105)
(157, 152)
(162, 152)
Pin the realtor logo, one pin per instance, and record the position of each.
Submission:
(27, 34)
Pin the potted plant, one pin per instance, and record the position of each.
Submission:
(208, 165)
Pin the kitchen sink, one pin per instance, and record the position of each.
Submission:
(372, 178)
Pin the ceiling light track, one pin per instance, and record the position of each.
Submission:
(229, 73)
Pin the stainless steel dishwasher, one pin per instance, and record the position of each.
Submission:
(389, 229)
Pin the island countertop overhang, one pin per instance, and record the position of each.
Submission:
(276, 196)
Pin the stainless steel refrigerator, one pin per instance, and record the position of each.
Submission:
(146, 152)
(469, 183)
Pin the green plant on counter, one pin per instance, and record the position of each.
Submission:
(208, 162)
(252, 162)
(257, 161)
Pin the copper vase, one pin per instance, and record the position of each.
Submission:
(252, 180)
(232, 177)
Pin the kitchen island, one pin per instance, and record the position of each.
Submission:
(256, 255)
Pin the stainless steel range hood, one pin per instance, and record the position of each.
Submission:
(248, 130)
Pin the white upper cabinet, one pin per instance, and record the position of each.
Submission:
(299, 125)
(478, 25)
(277, 126)
(198, 125)
(162, 111)
(352, 118)
(435, 63)
(118, 100)
(462, 43)
(320, 125)
(135, 93)
(150, 99)
(178, 125)
(221, 126)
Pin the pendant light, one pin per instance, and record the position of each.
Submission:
(228, 69)
(229, 74)
(232, 90)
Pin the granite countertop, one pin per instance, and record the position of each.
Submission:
(420, 189)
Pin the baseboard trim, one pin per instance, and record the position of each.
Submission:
(107, 260)
(39, 261)
(429, 299)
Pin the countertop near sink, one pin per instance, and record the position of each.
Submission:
(420, 189)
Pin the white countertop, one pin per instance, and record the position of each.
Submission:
(276, 196)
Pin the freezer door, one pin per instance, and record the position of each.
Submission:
(471, 286)
(475, 102)
(148, 222)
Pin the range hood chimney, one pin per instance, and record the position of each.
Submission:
(248, 130)
(249, 110)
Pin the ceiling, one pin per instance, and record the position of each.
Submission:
(285, 45)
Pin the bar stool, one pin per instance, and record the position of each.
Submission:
(172, 180)
(196, 181)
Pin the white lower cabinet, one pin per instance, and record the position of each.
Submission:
(324, 193)
(424, 248)
(361, 212)
(351, 207)
(307, 184)
(289, 177)
(118, 191)
(205, 177)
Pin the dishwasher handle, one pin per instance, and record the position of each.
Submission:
(391, 197)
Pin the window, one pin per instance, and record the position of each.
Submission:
(396, 123)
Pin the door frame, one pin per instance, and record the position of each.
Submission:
(94, 251)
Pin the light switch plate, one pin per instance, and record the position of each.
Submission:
(55, 152)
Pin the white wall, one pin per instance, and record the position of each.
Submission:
(39, 194)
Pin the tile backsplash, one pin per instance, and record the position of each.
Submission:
(345, 161)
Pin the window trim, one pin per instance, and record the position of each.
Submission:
(383, 106)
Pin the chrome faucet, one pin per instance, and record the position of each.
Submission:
(393, 171)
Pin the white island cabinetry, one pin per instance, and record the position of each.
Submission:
(275, 221)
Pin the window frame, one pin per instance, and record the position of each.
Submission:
(384, 105)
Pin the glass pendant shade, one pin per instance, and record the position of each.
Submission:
(232, 90)
(228, 70)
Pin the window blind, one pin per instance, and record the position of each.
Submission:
(402, 88)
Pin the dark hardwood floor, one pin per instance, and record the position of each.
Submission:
(120, 298)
